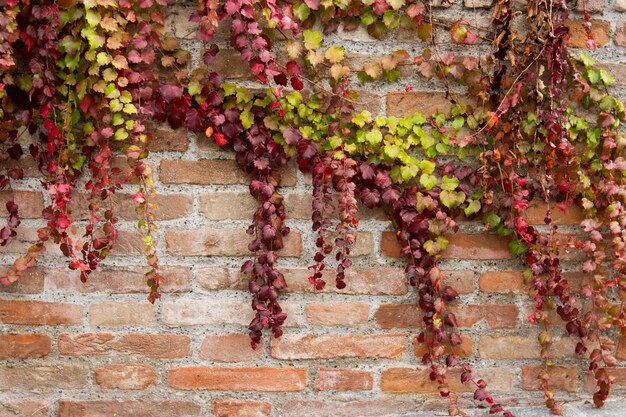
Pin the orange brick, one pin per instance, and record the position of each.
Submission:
(621, 348)
(31, 282)
(503, 282)
(167, 139)
(127, 377)
(190, 312)
(535, 213)
(216, 278)
(427, 103)
(389, 316)
(466, 348)
(227, 206)
(50, 377)
(137, 408)
(620, 34)
(375, 281)
(461, 281)
(230, 348)
(461, 246)
(40, 312)
(117, 280)
(334, 314)
(241, 408)
(168, 206)
(343, 380)
(24, 408)
(561, 378)
(212, 171)
(601, 33)
(303, 346)
(24, 346)
(149, 345)
(30, 203)
(409, 380)
(222, 242)
(111, 313)
(238, 379)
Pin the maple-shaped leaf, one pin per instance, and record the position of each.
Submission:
(171, 91)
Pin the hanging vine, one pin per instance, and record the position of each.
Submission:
(81, 76)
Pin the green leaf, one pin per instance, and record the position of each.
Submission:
(516, 247)
(408, 172)
(334, 54)
(229, 89)
(194, 87)
(452, 199)
(458, 122)
(492, 219)
(392, 151)
(312, 39)
(586, 60)
(120, 134)
(449, 183)
(472, 208)
(361, 118)
(427, 167)
(301, 11)
(374, 137)
(428, 181)
(247, 119)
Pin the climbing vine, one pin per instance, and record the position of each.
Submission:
(533, 122)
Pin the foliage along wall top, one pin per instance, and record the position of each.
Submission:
(535, 122)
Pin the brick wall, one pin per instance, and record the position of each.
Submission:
(100, 349)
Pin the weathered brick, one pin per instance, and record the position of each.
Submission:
(410, 380)
(24, 346)
(149, 345)
(343, 380)
(375, 281)
(127, 377)
(166, 139)
(620, 5)
(620, 34)
(601, 33)
(230, 348)
(222, 242)
(168, 206)
(24, 409)
(461, 281)
(31, 282)
(591, 6)
(216, 278)
(334, 314)
(111, 313)
(50, 377)
(303, 346)
(535, 213)
(227, 206)
(191, 312)
(561, 378)
(466, 348)
(212, 171)
(351, 408)
(30, 203)
(389, 316)
(522, 347)
(461, 246)
(117, 280)
(238, 379)
(478, 3)
(621, 348)
(40, 312)
(618, 375)
(427, 103)
(241, 408)
(128, 408)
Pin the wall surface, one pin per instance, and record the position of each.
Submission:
(100, 349)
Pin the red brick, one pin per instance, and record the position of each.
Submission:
(230, 348)
(149, 345)
(389, 316)
(617, 374)
(31, 282)
(409, 380)
(167, 139)
(522, 347)
(461, 246)
(111, 313)
(427, 103)
(127, 377)
(561, 378)
(535, 213)
(461, 281)
(212, 171)
(238, 379)
(337, 314)
(303, 346)
(112, 280)
(128, 408)
(190, 312)
(620, 34)
(40, 312)
(362, 408)
(222, 242)
(24, 409)
(343, 380)
(241, 408)
(466, 348)
(375, 281)
(24, 346)
(30, 203)
(129, 243)
(503, 282)
(50, 377)
(601, 33)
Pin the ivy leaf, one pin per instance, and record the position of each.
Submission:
(472, 208)
(428, 181)
(427, 166)
(171, 91)
(334, 54)
(516, 247)
(247, 119)
(374, 137)
(492, 219)
(312, 39)
(449, 183)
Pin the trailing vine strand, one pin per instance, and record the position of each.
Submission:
(534, 122)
